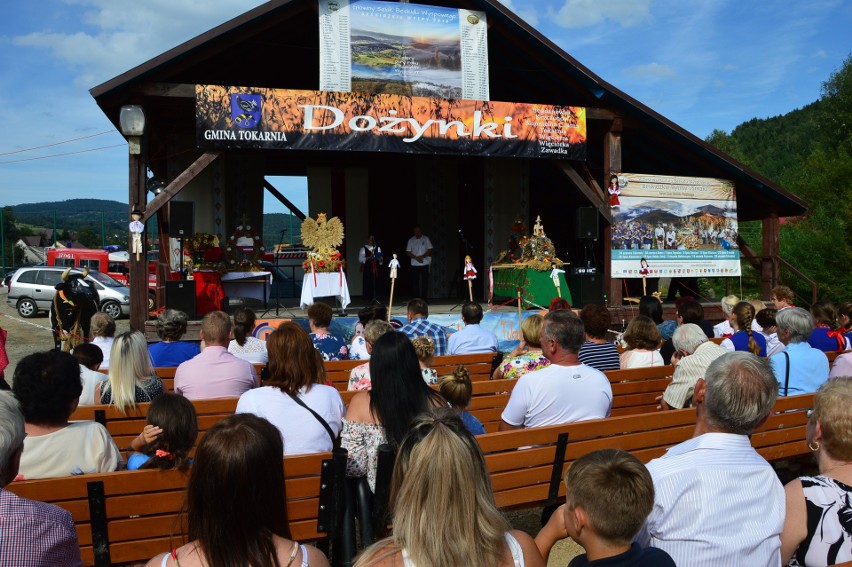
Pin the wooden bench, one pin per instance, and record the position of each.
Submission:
(527, 466)
(131, 516)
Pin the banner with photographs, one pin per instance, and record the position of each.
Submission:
(401, 48)
(239, 117)
(673, 226)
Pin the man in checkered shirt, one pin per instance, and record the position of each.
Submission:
(419, 326)
(32, 534)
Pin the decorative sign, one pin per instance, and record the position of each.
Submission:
(239, 117)
(401, 48)
(673, 226)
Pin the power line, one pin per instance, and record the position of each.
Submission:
(63, 154)
(56, 143)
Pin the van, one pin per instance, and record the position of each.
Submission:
(31, 291)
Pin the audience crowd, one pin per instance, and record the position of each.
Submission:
(710, 500)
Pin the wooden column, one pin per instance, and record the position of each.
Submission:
(771, 250)
(612, 164)
(138, 268)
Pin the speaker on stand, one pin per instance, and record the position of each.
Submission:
(586, 281)
(180, 295)
(181, 217)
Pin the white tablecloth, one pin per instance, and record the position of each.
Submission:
(252, 285)
(327, 285)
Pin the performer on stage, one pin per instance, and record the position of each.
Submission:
(370, 258)
(419, 249)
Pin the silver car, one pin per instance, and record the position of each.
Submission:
(31, 291)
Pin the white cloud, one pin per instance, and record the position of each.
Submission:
(584, 13)
(652, 70)
(821, 54)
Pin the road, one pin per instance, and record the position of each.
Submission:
(26, 336)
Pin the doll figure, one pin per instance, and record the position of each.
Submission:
(614, 191)
(469, 270)
(643, 267)
(136, 230)
(554, 275)
(393, 265)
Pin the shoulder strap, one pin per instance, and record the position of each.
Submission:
(335, 441)
(787, 373)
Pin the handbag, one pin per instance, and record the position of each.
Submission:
(335, 440)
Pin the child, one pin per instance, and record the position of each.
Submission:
(457, 390)
(609, 493)
(89, 356)
(166, 440)
(425, 349)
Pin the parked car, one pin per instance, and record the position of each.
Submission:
(31, 291)
(8, 277)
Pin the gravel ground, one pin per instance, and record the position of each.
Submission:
(530, 521)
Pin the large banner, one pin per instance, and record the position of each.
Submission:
(400, 48)
(241, 117)
(673, 226)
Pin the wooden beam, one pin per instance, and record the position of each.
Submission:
(175, 90)
(612, 164)
(590, 179)
(138, 267)
(590, 194)
(769, 268)
(600, 114)
(284, 200)
(180, 182)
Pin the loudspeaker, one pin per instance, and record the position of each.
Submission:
(586, 289)
(180, 295)
(180, 219)
(587, 222)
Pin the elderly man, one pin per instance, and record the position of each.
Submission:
(420, 326)
(718, 502)
(215, 373)
(32, 533)
(565, 391)
(693, 354)
(799, 368)
(473, 338)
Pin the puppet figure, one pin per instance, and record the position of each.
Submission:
(614, 191)
(469, 270)
(393, 265)
(136, 230)
(644, 271)
(554, 275)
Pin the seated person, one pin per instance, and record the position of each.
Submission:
(102, 329)
(171, 351)
(769, 329)
(608, 495)
(420, 326)
(782, 296)
(473, 338)
(32, 533)
(48, 387)
(359, 377)
(694, 353)
(816, 528)
(331, 347)
(651, 307)
(688, 311)
(642, 342)
(744, 338)
(89, 356)
(598, 352)
(457, 389)
(358, 347)
(527, 356)
(799, 368)
(169, 434)
(823, 336)
(724, 330)
(244, 345)
(425, 349)
(842, 366)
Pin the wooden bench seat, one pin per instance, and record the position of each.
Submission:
(131, 516)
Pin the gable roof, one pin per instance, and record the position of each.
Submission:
(276, 45)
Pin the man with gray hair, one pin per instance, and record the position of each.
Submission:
(565, 391)
(31, 533)
(693, 354)
(717, 501)
(799, 368)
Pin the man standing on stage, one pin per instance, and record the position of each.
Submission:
(419, 249)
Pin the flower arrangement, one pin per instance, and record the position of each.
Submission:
(534, 251)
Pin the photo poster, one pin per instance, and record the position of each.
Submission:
(671, 226)
(406, 49)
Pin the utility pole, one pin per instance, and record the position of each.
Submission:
(103, 231)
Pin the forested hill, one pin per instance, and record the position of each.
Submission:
(809, 153)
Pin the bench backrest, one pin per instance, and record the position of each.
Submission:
(131, 516)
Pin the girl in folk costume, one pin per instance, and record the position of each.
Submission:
(614, 191)
(469, 270)
(744, 338)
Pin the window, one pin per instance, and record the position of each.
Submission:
(27, 276)
(91, 264)
(64, 262)
(49, 277)
(118, 268)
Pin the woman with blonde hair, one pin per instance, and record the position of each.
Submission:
(425, 349)
(527, 357)
(724, 329)
(819, 508)
(442, 504)
(457, 389)
(642, 339)
(132, 379)
(744, 338)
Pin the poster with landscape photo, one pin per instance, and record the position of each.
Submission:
(673, 226)
(404, 49)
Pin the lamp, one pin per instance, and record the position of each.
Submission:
(132, 122)
(155, 185)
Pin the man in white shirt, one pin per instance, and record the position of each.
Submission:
(564, 392)
(419, 249)
(473, 338)
(718, 502)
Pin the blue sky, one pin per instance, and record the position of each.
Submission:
(705, 64)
